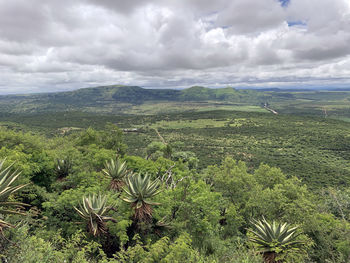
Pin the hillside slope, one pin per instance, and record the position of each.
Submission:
(118, 99)
(115, 98)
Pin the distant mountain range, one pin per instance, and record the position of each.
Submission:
(114, 99)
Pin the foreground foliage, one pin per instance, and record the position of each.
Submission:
(203, 217)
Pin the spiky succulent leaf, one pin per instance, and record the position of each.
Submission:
(3, 225)
(7, 178)
(150, 202)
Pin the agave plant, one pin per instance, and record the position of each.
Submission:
(116, 171)
(274, 239)
(63, 168)
(139, 190)
(93, 209)
(7, 178)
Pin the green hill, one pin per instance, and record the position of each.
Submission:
(119, 99)
(115, 98)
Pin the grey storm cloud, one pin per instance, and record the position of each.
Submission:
(67, 44)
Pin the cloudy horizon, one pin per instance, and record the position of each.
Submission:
(57, 45)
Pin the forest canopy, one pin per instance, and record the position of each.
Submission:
(81, 198)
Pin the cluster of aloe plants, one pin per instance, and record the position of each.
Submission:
(138, 191)
(273, 240)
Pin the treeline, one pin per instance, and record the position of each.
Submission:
(81, 198)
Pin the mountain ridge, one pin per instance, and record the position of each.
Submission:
(116, 96)
(118, 99)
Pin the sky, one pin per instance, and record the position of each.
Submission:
(58, 45)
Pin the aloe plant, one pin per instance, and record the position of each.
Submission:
(7, 179)
(93, 210)
(63, 168)
(139, 191)
(116, 171)
(274, 239)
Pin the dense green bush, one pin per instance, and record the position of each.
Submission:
(203, 215)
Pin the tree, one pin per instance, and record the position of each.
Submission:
(7, 178)
(93, 210)
(155, 147)
(112, 138)
(139, 190)
(187, 157)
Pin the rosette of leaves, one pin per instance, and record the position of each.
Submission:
(274, 240)
(63, 168)
(116, 170)
(7, 187)
(93, 210)
(139, 191)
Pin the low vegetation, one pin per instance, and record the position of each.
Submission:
(201, 186)
(169, 210)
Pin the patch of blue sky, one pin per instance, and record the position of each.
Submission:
(284, 3)
(297, 23)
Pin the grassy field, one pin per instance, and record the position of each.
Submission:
(335, 104)
(151, 108)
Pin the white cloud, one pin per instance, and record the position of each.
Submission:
(59, 45)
